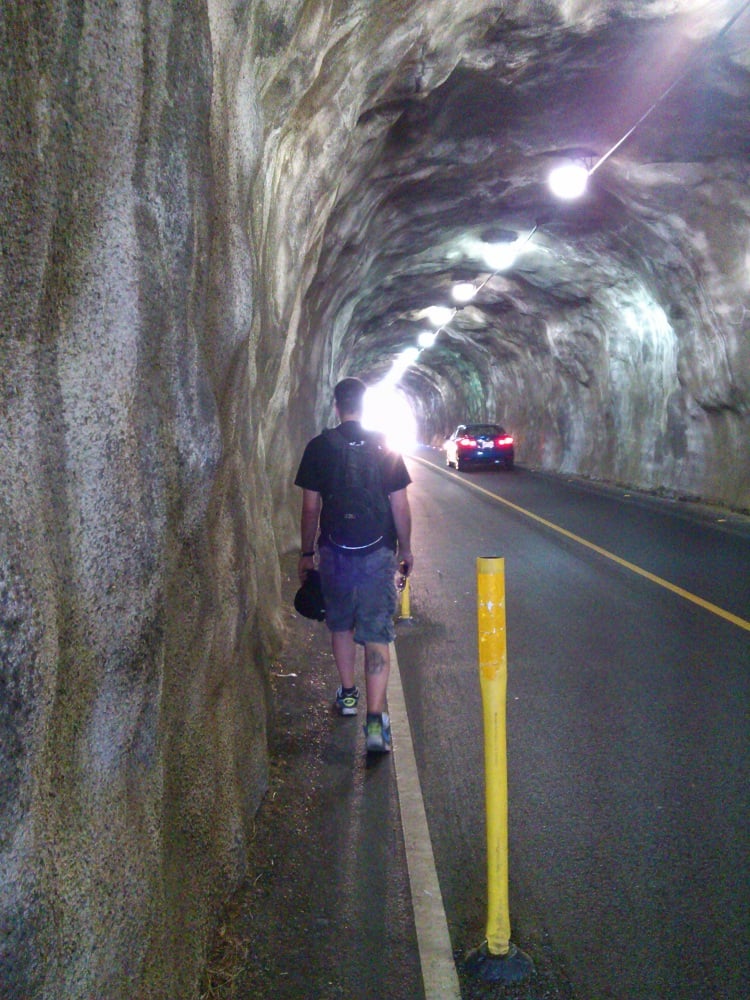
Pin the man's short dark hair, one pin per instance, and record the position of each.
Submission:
(349, 394)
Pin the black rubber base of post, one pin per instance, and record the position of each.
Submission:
(511, 968)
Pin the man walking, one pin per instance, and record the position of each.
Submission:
(354, 495)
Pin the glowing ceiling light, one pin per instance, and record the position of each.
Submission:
(439, 315)
(501, 256)
(464, 291)
(568, 181)
(427, 338)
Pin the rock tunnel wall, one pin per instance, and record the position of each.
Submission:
(173, 322)
(136, 614)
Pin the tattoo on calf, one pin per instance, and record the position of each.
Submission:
(374, 662)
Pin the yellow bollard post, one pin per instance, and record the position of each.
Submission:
(405, 600)
(405, 605)
(493, 677)
(497, 959)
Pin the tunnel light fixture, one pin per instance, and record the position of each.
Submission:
(439, 315)
(464, 291)
(568, 181)
(427, 338)
(501, 256)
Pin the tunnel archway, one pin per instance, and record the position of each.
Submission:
(210, 213)
(589, 345)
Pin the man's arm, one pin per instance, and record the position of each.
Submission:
(308, 528)
(402, 520)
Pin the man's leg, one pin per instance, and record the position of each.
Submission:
(344, 653)
(377, 669)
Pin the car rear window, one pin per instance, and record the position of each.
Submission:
(484, 430)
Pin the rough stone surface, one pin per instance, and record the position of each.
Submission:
(132, 716)
(208, 214)
(617, 346)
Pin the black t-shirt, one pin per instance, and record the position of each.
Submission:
(318, 461)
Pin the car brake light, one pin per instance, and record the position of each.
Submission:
(467, 442)
(503, 442)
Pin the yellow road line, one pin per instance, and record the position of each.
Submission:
(713, 608)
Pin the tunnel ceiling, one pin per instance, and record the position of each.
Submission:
(446, 165)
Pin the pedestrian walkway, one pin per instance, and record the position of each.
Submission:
(325, 911)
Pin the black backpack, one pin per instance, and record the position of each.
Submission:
(356, 514)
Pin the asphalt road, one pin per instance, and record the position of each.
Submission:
(627, 726)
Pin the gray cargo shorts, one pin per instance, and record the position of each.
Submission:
(360, 593)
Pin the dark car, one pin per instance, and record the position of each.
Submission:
(479, 444)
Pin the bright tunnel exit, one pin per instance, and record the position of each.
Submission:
(387, 409)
